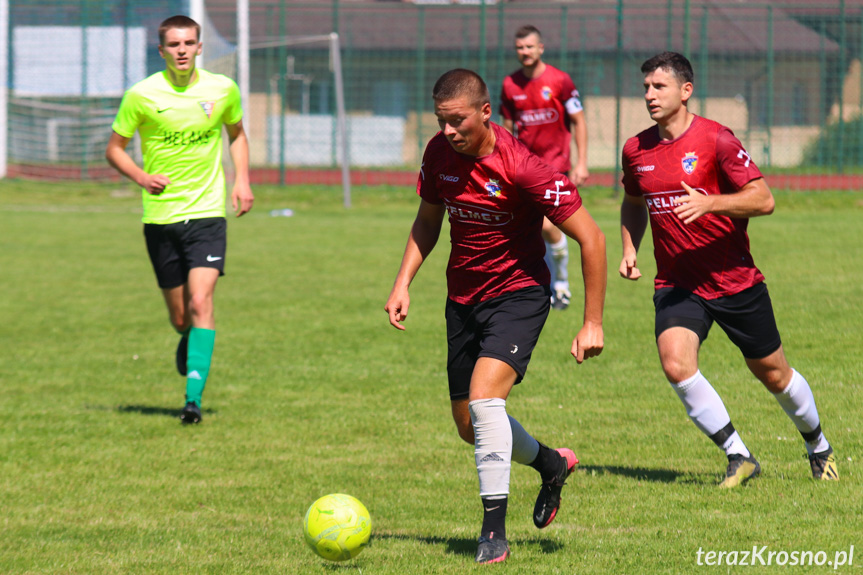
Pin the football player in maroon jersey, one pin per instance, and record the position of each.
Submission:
(696, 184)
(495, 193)
(542, 107)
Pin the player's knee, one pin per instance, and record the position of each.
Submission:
(201, 305)
(773, 371)
(775, 380)
(676, 370)
(178, 321)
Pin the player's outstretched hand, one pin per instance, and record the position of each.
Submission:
(242, 199)
(155, 184)
(397, 307)
(628, 269)
(589, 342)
(693, 206)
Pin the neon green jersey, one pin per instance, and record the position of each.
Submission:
(181, 137)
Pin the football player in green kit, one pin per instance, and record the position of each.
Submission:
(179, 113)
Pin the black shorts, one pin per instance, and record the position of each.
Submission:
(506, 328)
(746, 317)
(176, 248)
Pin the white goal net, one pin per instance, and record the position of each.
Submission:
(64, 88)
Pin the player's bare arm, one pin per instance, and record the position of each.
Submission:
(423, 237)
(508, 125)
(752, 200)
(579, 172)
(633, 223)
(121, 161)
(581, 227)
(241, 196)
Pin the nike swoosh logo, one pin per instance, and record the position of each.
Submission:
(162, 110)
(492, 508)
(212, 259)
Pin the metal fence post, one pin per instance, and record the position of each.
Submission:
(823, 107)
(125, 47)
(421, 74)
(341, 120)
(580, 58)
(269, 76)
(334, 132)
(483, 48)
(618, 94)
(283, 56)
(502, 44)
(840, 137)
(466, 26)
(771, 71)
(5, 84)
(687, 35)
(702, 65)
(82, 114)
(564, 59)
(669, 25)
(860, 97)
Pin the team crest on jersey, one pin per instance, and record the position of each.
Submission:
(493, 188)
(689, 161)
(546, 93)
(207, 107)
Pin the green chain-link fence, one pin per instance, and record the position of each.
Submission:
(785, 76)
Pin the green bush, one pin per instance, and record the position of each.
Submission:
(839, 145)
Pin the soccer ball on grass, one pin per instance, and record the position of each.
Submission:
(337, 527)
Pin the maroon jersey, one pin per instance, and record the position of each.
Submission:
(540, 109)
(495, 205)
(710, 256)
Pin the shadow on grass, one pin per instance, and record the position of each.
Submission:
(640, 473)
(467, 546)
(147, 410)
(346, 566)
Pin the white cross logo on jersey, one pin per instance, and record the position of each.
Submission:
(557, 193)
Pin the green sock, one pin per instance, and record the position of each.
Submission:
(201, 342)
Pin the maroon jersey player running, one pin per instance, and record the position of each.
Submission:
(495, 193)
(697, 185)
(540, 105)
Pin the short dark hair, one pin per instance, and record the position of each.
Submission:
(526, 31)
(460, 82)
(178, 21)
(672, 62)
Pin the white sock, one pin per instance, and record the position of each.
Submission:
(524, 447)
(799, 403)
(708, 413)
(560, 255)
(492, 446)
(550, 263)
(733, 445)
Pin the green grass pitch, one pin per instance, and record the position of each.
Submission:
(312, 392)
